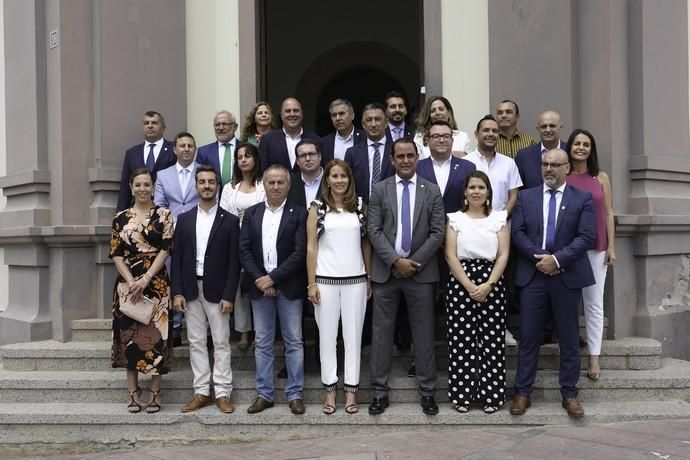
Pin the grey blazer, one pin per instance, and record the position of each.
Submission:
(428, 228)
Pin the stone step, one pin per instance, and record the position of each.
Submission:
(671, 381)
(633, 353)
(92, 427)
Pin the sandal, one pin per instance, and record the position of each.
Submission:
(329, 409)
(352, 408)
(593, 370)
(593, 375)
(462, 409)
(153, 406)
(489, 409)
(134, 407)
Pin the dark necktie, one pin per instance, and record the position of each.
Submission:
(551, 222)
(406, 242)
(150, 160)
(376, 165)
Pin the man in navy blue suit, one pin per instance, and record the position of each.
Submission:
(220, 153)
(205, 274)
(396, 111)
(335, 144)
(370, 160)
(155, 153)
(553, 226)
(549, 126)
(278, 146)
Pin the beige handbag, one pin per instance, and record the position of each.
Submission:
(141, 311)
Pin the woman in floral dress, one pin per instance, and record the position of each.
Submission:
(141, 241)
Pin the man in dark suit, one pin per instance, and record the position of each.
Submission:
(528, 160)
(404, 263)
(369, 160)
(553, 226)
(396, 111)
(335, 144)
(205, 274)
(306, 181)
(273, 250)
(220, 153)
(155, 153)
(278, 146)
(444, 169)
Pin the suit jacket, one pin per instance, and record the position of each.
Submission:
(296, 194)
(328, 144)
(134, 158)
(273, 149)
(208, 154)
(528, 161)
(428, 228)
(357, 157)
(169, 195)
(454, 193)
(575, 232)
(407, 132)
(291, 245)
(221, 261)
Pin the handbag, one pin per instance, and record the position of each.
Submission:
(141, 311)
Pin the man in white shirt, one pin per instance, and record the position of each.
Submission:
(306, 182)
(220, 154)
(335, 144)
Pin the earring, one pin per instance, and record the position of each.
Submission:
(488, 203)
(466, 202)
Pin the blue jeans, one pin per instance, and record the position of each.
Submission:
(290, 314)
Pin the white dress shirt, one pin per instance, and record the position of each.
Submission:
(157, 147)
(503, 175)
(311, 189)
(291, 143)
(341, 144)
(441, 172)
(204, 222)
(413, 193)
(269, 235)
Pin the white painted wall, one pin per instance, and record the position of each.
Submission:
(3, 150)
(465, 52)
(212, 64)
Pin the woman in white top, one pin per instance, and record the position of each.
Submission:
(439, 108)
(244, 190)
(338, 260)
(477, 245)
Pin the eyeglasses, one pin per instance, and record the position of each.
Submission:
(445, 137)
(223, 125)
(546, 165)
(308, 154)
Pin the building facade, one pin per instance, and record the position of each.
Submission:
(79, 74)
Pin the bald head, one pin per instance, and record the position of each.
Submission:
(555, 167)
(549, 127)
(291, 114)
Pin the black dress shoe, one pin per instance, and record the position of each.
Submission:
(583, 342)
(282, 374)
(412, 370)
(177, 341)
(429, 406)
(378, 405)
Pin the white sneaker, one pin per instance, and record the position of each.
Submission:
(510, 340)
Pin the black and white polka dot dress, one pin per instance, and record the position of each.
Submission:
(476, 331)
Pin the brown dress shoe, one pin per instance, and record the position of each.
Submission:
(197, 402)
(297, 406)
(573, 407)
(259, 405)
(225, 404)
(519, 405)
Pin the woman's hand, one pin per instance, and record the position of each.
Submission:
(313, 294)
(610, 256)
(136, 288)
(369, 289)
(481, 292)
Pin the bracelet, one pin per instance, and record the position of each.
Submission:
(147, 277)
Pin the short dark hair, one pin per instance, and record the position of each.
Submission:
(517, 109)
(488, 116)
(307, 141)
(394, 94)
(374, 106)
(183, 134)
(440, 123)
(153, 113)
(204, 168)
(404, 140)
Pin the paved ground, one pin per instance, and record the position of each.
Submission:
(664, 440)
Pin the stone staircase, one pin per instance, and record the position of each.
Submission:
(57, 396)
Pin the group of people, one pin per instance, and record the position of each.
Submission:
(383, 218)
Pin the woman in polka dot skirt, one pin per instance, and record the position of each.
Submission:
(477, 245)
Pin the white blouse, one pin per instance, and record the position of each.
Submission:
(235, 202)
(477, 238)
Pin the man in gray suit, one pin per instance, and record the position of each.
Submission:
(175, 186)
(406, 227)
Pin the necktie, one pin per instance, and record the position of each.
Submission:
(397, 133)
(551, 222)
(406, 242)
(226, 174)
(376, 164)
(150, 159)
(185, 180)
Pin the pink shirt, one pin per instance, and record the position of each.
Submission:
(592, 185)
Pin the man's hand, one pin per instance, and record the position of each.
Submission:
(263, 282)
(405, 268)
(225, 306)
(269, 292)
(547, 264)
(180, 303)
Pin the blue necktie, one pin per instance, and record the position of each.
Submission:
(376, 165)
(398, 133)
(150, 160)
(406, 242)
(551, 222)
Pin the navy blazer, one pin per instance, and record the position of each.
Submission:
(134, 158)
(528, 161)
(357, 157)
(328, 144)
(296, 194)
(208, 154)
(575, 232)
(273, 149)
(221, 260)
(407, 132)
(290, 277)
(454, 193)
